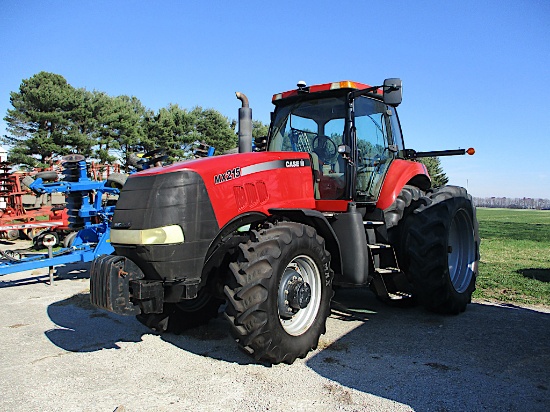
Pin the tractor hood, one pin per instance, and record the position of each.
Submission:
(246, 182)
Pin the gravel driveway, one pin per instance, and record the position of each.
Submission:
(61, 354)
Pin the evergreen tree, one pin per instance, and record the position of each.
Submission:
(215, 129)
(39, 122)
(81, 123)
(128, 126)
(50, 118)
(259, 129)
(435, 170)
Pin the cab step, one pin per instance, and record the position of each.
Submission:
(389, 281)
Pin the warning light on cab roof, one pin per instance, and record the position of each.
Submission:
(343, 85)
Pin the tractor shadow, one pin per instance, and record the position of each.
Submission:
(492, 357)
(542, 275)
(81, 327)
(441, 363)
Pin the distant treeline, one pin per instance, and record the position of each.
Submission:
(513, 203)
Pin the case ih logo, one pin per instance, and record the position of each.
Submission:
(227, 175)
(295, 163)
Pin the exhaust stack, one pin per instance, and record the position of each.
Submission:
(245, 124)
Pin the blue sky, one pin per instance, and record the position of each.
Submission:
(475, 73)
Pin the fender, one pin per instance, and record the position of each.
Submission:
(400, 173)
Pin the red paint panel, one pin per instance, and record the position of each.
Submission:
(245, 182)
(332, 205)
(399, 174)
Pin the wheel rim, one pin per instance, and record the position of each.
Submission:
(12, 234)
(461, 253)
(302, 279)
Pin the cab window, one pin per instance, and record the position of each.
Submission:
(372, 124)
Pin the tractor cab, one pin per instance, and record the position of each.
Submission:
(350, 130)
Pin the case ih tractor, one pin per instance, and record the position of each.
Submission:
(331, 198)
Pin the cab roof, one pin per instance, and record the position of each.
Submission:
(345, 84)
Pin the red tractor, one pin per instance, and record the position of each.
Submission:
(330, 198)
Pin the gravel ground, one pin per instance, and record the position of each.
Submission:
(61, 354)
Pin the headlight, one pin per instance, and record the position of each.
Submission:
(156, 236)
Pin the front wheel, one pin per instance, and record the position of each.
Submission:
(278, 296)
(178, 317)
(443, 246)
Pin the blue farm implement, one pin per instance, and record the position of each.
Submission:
(89, 210)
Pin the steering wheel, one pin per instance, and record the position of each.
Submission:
(325, 148)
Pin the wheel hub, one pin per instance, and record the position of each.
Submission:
(294, 293)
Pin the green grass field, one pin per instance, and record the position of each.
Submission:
(515, 256)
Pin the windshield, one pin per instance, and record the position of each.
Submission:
(297, 126)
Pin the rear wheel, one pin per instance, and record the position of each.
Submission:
(278, 297)
(405, 202)
(396, 217)
(443, 245)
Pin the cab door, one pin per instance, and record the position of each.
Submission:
(372, 130)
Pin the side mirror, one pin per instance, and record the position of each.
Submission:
(393, 92)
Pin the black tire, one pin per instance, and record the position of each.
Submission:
(179, 317)
(38, 240)
(47, 176)
(116, 180)
(69, 239)
(443, 245)
(406, 201)
(12, 234)
(26, 182)
(396, 217)
(34, 232)
(284, 257)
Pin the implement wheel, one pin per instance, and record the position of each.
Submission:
(278, 296)
(116, 180)
(47, 176)
(12, 234)
(443, 245)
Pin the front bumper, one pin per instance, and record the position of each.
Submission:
(118, 285)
